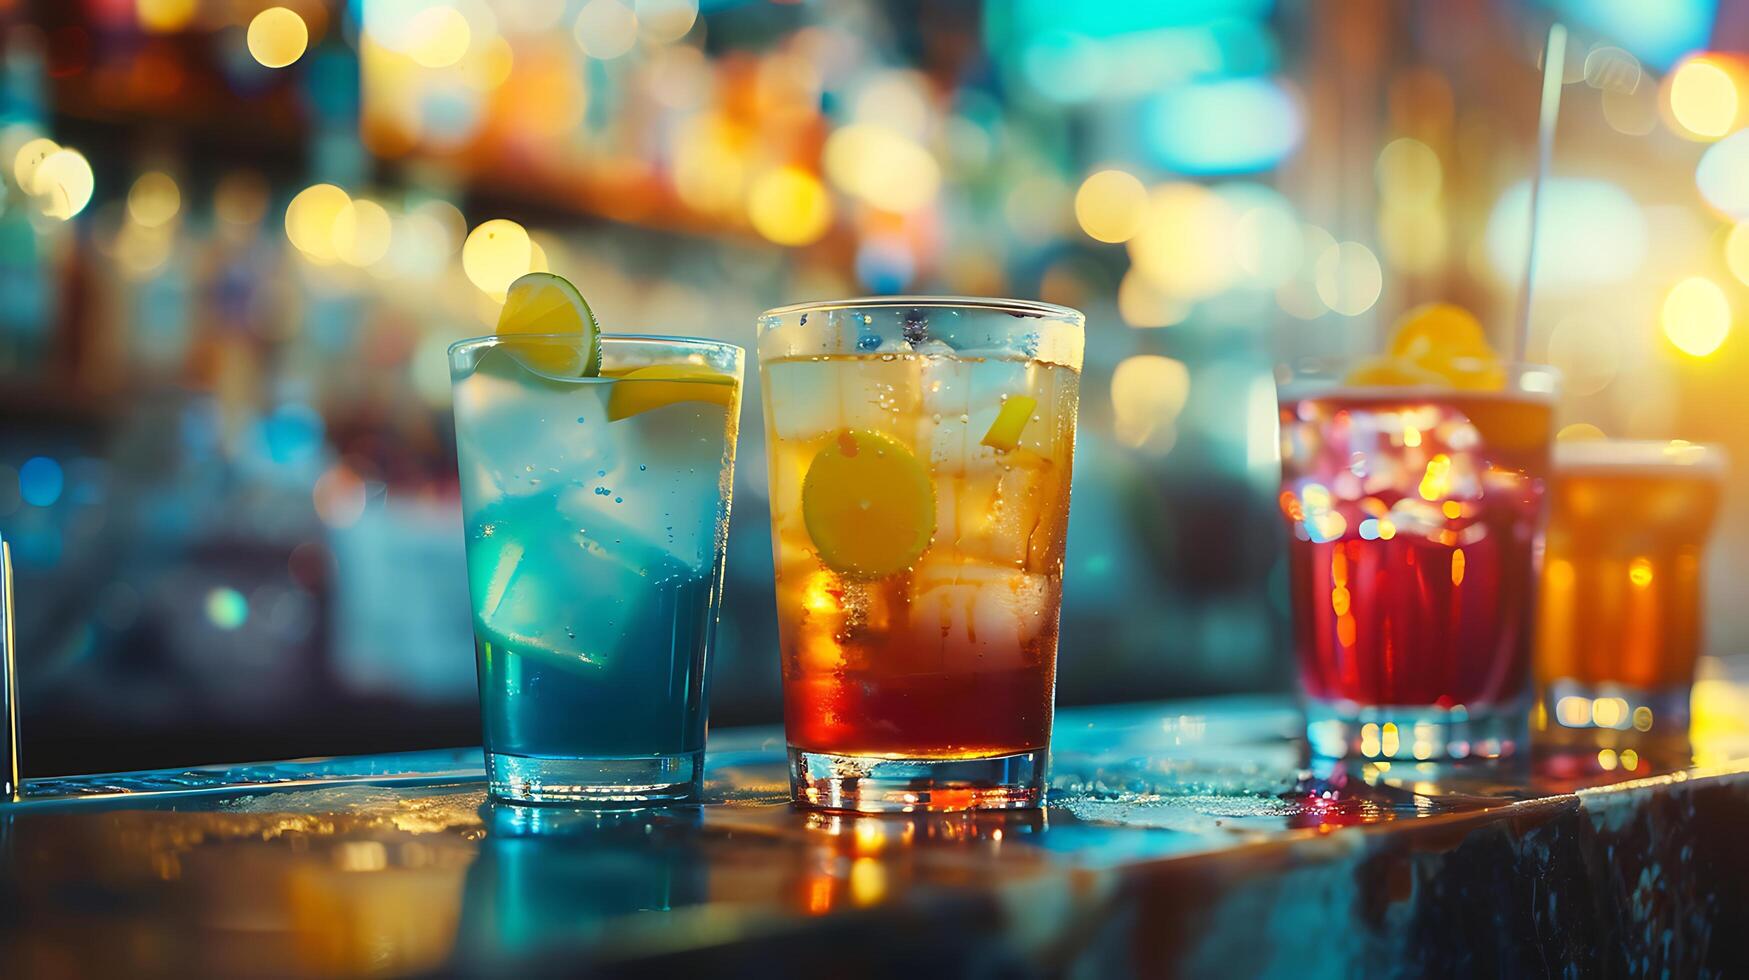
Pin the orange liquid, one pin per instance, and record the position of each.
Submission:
(1621, 596)
(955, 656)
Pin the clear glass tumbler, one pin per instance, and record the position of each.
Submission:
(920, 453)
(596, 512)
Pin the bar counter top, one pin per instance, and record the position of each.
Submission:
(1181, 839)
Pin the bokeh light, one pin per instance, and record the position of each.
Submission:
(165, 16)
(1110, 205)
(438, 37)
(1147, 394)
(1737, 251)
(606, 29)
(882, 166)
(1141, 303)
(663, 21)
(226, 608)
(1348, 278)
(1267, 246)
(1704, 100)
(495, 254)
(1580, 432)
(277, 37)
(1592, 231)
(310, 217)
(1225, 126)
(1696, 316)
(1723, 175)
(154, 199)
(361, 232)
(1185, 244)
(40, 481)
(63, 182)
(1408, 168)
(29, 157)
(789, 206)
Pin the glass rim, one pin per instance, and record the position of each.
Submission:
(993, 304)
(1321, 375)
(1665, 455)
(630, 339)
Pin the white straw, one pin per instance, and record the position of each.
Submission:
(1554, 61)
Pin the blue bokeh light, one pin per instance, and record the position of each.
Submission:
(1239, 125)
(40, 481)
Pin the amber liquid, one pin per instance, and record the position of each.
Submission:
(1621, 596)
(954, 657)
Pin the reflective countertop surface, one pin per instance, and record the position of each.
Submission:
(399, 865)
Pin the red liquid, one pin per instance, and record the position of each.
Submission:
(1416, 520)
(933, 716)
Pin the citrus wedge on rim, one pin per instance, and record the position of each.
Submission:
(868, 504)
(542, 303)
(642, 389)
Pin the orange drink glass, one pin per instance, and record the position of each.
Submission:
(920, 453)
(1620, 626)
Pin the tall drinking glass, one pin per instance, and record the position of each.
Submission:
(596, 510)
(920, 454)
(1416, 516)
(1621, 604)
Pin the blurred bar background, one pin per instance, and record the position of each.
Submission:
(236, 238)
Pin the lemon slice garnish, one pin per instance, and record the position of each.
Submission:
(640, 390)
(1004, 433)
(542, 303)
(868, 504)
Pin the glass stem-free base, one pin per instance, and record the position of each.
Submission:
(1343, 730)
(874, 785)
(1626, 708)
(636, 781)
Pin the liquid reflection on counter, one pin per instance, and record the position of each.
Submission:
(857, 860)
(554, 878)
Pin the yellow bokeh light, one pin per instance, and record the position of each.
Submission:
(606, 29)
(789, 206)
(1143, 304)
(1580, 432)
(1186, 241)
(1348, 278)
(1147, 394)
(63, 182)
(309, 220)
(1110, 205)
(1703, 99)
(154, 199)
(165, 16)
(277, 37)
(882, 167)
(29, 157)
(710, 164)
(1409, 170)
(1737, 251)
(361, 232)
(495, 254)
(438, 37)
(1696, 316)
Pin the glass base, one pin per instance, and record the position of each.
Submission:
(1343, 730)
(637, 781)
(1572, 704)
(867, 784)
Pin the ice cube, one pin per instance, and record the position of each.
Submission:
(542, 586)
(514, 427)
(1009, 513)
(801, 403)
(962, 399)
(989, 610)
